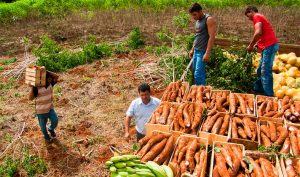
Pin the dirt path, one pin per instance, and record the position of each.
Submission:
(90, 101)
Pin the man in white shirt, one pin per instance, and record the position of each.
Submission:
(140, 109)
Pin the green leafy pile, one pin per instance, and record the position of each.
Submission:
(232, 74)
(55, 58)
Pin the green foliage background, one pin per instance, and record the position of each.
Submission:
(25, 8)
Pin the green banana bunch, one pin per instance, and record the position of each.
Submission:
(131, 166)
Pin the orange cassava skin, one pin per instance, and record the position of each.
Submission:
(198, 115)
(190, 154)
(232, 103)
(179, 114)
(242, 104)
(182, 153)
(256, 168)
(165, 113)
(183, 167)
(266, 167)
(273, 132)
(181, 143)
(242, 133)
(286, 146)
(215, 172)
(234, 129)
(166, 151)
(225, 124)
(283, 133)
(144, 140)
(186, 115)
(251, 103)
(247, 124)
(199, 95)
(201, 166)
(221, 165)
(270, 114)
(217, 126)
(269, 106)
(151, 142)
(210, 122)
(294, 143)
(227, 156)
(172, 113)
(265, 140)
(154, 151)
(261, 108)
(265, 130)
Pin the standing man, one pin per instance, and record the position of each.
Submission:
(265, 40)
(140, 109)
(44, 106)
(205, 28)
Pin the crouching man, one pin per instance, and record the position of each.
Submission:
(44, 106)
(141, 110)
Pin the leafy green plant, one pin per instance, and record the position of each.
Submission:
(9, 167)
(55, 58)
(232, 74)
(8, 84)
(8, 61)
(33, 164)
(135, 39)
(1, 68)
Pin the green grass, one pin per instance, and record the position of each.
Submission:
(26, 8)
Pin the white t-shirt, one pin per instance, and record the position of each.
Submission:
(142, 112)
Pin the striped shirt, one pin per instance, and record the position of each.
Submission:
(44, 100)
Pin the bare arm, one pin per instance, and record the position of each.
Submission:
(212, 31)
(257, 34)
(127, 124)
(31, 94)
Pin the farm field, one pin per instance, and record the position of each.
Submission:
(102, 51)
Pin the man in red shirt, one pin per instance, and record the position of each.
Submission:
(265, 40)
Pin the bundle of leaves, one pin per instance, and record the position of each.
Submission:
(235, 74)
(55, 58)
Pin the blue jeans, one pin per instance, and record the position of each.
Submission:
(43, 119)
(199, 67)
(264, 83)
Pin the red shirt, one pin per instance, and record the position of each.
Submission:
(268, 37)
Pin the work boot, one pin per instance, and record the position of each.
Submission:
(52, 133)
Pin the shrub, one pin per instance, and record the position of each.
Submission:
(33, 164)
(55, 58)
(135, 39)
(9, 167)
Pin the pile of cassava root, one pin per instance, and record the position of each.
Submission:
(241, 104)
(290, 109)
(190, 157)
(216, 123)
(267, 107)
(199, 94)
(290, 166)
(188, 118)
(176, 91)
(156, 147)
(273, 134)
(219, 101)
(244, 127)
(164, 114)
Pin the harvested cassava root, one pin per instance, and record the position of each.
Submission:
(216, 123)
(164, 114)
(220, 101)
(294, 141)
(188, 117)
(244, 127)
(190, 157)
(200, 94)
(228, 160)
(268, 107)
(241, 103)
(290, 109)
(274, 134)
(290, 166)
(156, 147)
(175, 91)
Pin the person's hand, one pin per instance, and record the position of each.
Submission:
(250, 48)
(127, 136)
(191, 53)
(206, 57)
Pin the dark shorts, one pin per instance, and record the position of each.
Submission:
(139, 136)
